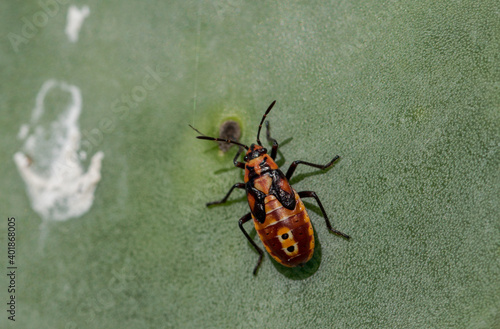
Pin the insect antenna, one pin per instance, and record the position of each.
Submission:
(262, 121)
(199, 132)
(203, 136)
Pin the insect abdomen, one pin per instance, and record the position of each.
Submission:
(286, 234)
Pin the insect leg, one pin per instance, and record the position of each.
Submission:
(309, 194)
(235, 160)
(294, 165)
(237, 185)
(242, 221)
(274, 150)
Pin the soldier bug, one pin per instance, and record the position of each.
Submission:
(278, 213)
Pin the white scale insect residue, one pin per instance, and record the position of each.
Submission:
(75, 20)
(50, 159)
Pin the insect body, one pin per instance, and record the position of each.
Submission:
(278, 213)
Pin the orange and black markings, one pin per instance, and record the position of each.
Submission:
(279, 216)
(286, 234)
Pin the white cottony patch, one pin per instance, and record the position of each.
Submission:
(49, 163)
(74, 21)
(23, 131)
